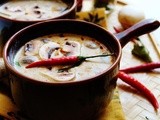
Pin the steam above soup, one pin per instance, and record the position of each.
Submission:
(33, 10)
(60, 45)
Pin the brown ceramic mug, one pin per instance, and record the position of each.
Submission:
(74, 100)
(9, 26)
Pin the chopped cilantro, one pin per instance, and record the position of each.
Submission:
(17, 63)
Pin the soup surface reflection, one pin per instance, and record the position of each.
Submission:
(32, 10)
(59, 45)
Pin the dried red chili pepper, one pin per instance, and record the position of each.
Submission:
(142, 68)
(140, 87)
(67, 60)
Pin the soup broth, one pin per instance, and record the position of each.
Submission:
(59, 45)
(32, 10)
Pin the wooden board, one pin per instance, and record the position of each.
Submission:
(135, 106)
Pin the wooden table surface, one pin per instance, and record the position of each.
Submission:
(135, 106)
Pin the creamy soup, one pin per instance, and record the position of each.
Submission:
(32, 10)
(59, 45)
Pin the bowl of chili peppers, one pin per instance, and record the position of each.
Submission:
(13, 12)
(84, 99)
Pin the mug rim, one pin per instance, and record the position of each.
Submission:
(74, 5)
(14, 71)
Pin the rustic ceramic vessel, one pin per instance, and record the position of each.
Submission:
(75, 100)
(9, 26)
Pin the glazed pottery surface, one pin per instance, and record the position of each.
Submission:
(75, 100)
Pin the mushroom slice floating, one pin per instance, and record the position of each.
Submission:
(60, 76)
(27, 60)
(47, 49)
(92, 47)
(64, 76)
(32, 47)
(90, 44)
(59, 7)
(56, 53)
(71, 48)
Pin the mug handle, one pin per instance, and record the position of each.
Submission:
(142, 27)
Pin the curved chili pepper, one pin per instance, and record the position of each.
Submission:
(142, 67)
(66, 60)
(140, 87)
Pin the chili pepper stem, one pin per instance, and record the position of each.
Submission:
(86, 57)
(82, 58)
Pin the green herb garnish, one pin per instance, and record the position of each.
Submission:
(17, 64)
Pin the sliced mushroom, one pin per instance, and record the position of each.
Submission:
(60, 76)
(64, 76)
(45, 40)
(48, 49)
(90, 48)
(32, 47)
(56, 53)
(91, 44)
(15, 9)
(71, 48)
(27, 60)
(60, 7)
